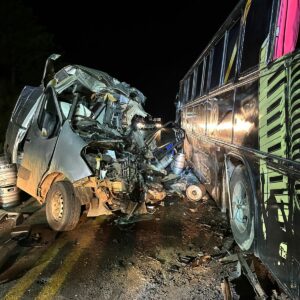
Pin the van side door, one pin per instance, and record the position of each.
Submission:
(40, 143)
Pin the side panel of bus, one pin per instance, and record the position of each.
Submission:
(257, 121)
(279, 128)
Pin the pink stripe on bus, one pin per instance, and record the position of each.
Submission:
(288, 26)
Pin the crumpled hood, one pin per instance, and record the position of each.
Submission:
(96, 81)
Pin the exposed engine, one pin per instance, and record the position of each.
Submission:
(108, 164)
(124, 176)
(127, 163)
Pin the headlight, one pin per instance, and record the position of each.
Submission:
(157, 125)
(140, 125)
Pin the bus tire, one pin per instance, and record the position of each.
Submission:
(224, 195)
(241, 196)
(62, 207)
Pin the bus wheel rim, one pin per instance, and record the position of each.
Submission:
(240, 207)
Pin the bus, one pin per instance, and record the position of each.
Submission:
(239, 105)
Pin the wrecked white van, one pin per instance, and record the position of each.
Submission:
(81, 146)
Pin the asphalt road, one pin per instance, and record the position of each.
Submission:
(170, 254)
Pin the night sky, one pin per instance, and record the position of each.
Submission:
(149, 46)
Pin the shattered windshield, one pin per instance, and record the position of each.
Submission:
(93, 99)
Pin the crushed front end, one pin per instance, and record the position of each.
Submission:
(125, 162)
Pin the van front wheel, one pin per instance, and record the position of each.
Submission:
(62, 207)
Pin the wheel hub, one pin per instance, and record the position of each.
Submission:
(57, 206)
(240, 207)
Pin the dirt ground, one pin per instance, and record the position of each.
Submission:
(172, 254)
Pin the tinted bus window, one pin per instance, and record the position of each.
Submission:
(185, 90)
(257, 28)
(231, 52)
(217, 64)
(206, 75)
(212, 116)
(200, 120)
(219, 116)
(191, 80)
(246, 116)
(199, 79)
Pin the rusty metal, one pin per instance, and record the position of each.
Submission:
(9, 196)
(46, 184)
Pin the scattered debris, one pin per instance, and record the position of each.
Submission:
(16, 217)
(124, 220)
(194, 261)
(226, 290)
(195, 192)
(178, 187)
(229, 259)
(186, 259)
(251, 277)
(228, 243)
(174, 268)
(3, 214)
(21, 231)
(42, 281)
(200, 260)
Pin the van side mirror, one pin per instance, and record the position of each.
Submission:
(49, 70)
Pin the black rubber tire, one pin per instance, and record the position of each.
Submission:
(224, 203)
(70, 212)
(243, 232)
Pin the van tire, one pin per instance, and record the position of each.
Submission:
(241, 196)
(62, 207)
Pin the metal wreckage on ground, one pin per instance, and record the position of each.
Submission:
(81, 143)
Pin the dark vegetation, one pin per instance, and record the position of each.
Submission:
(24, 46)
(147, 45)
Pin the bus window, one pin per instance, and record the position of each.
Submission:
(231, 53)
(246, 116)
(180, 96)
(206, 75)
(212, 116)
(257, 28)
(185, 90)
(219, 116)
(189, 118)
(191, 81)
(199, 79)
(217, 64)
(183, 118)
(200, 118)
